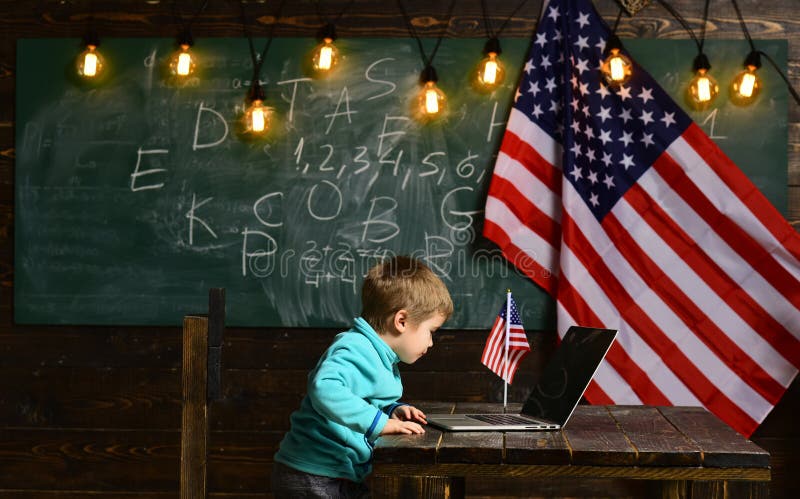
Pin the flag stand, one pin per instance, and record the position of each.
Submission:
(508, 332)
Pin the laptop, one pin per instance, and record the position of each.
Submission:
(552, 401)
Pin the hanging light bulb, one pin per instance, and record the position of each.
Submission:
(183, 63)
(326, 55)
(491, 71)
(89, 63)
(747, 85)
(257, 116)
(617, 68)
(431, 101)
(703, 88)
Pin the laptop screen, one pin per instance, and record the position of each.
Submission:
(568, 373)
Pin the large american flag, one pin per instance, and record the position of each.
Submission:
(617, 204)
(494, 352)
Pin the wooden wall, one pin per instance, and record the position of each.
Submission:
(96, 410)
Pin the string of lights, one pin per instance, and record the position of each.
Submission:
(326, 56)
(258, 115)
(747, 85)
(491, 71)
(431, 101)
(183, 63)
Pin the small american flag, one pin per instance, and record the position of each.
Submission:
(619, 206)
(494, 354)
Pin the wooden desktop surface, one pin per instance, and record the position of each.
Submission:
(684, 451)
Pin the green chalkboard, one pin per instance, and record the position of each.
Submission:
(135, 196)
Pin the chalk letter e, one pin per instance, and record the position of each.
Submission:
(137, 173)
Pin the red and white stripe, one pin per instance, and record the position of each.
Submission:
(696, 269)
(494, 352)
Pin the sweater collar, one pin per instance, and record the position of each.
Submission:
(386, 353)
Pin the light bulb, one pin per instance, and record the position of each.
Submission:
(257, 117)
(432, 101)
(703, 88)
(183, 63)
(90, 63)
(491, 71)
(326, 56)
(616, 69)
(745, 87)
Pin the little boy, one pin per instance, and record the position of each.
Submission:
(352, 393)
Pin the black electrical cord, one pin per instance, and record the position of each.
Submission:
(187, 25)
(744, 26)
(669, 8)
(258, 61)
(325, 19)
(496, 34)
(785, 79)
(425, 59)
(703, 27)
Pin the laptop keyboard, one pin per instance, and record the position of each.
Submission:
(503, 419)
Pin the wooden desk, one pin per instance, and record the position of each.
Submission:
(643, 451)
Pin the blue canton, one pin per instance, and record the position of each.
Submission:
(610, 137)
(515, 320)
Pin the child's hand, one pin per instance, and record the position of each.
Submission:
(409, 413)
(397, 427)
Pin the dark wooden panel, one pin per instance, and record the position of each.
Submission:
(471, 447)
(129, 460)
(496, 488)
(93, 494)
(547, 447)
(84, 397)
(241, 461)
(721, 445)
(44, 346)
(97, 347)
(420, 448)
(781, 421)
(784, 461)
(89, 460)
(657, 441)
(595, 439)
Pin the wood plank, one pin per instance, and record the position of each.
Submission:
(657, 442)
(241, 461)
(150, 398)
(413, 448)
(408, 448)
(534, 447)
(63, 459)
(98, 347)
(102, 494)
(194, 398)
(595, 439)
(469, 446)
(784, 461)
(129, 460)
(540, 447)
(720, 444)
(273, 348)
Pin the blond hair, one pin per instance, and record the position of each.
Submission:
(402, 283)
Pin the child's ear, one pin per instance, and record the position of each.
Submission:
(401, 320)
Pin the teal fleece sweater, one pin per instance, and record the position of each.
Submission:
(342, 414)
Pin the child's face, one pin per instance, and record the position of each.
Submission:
(415, 339)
